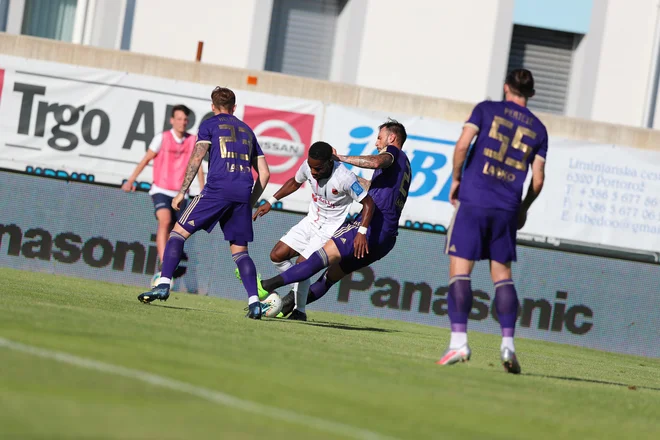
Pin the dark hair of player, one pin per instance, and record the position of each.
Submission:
(182, 108)
(223, 98)
(521, 82)
(320, 151)
(396, 128)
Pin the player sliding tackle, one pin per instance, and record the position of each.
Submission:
(334, 188)
(487, 197)
(227, 198)
(358, 243)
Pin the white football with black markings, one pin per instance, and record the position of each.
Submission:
(272, 305)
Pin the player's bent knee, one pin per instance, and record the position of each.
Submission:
(179, 230)
(332, 251)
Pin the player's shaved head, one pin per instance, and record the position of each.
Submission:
(223, 98)
(320, 151)
(397, 129)
(521, 83)
(320, 160)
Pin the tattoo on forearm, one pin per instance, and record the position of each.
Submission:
(193, 165)
(371, 162)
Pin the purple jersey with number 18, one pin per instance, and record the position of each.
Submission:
(509, 138)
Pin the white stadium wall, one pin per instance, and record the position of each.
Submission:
(625, 62)
(438, 49)
(172, 28)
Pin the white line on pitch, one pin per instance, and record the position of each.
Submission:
(203, 393)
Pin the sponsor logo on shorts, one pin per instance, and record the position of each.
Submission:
(452, 248)
(191, 222)
(335, 191)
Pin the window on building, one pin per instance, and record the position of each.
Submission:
(548, 54)
(4, 10)
(302, 35)
(49, 18)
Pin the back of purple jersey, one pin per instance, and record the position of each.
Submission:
(389, 191)
(233, 148)
(509, 138)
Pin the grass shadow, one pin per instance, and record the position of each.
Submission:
(339, 326)
(594, 381)
(188, 309)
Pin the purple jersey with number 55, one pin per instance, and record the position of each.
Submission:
(509, 138)
(233, 147)
(389, 191)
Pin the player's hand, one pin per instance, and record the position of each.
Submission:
(261, 211)
(453, 192)
(360, 246)
(176, 201)
(128, 186)
(522, 218)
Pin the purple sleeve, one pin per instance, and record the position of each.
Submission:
(204, 134)
(394, 151)
(258, 152)
(476, 118)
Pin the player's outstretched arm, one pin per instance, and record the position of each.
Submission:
(148, 157)
(289, 187)
(261, 167)
(372, 162)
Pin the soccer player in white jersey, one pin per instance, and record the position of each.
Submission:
(334, 188)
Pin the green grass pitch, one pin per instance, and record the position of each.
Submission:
(84, 360)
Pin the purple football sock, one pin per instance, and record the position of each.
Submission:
(506, 305)
(301, 271)
(319, 288)
(248, 272)
(459, 302)
(172, 254)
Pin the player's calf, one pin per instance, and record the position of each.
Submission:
(506, 305)
(248, 274)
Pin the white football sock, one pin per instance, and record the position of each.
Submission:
(284, 265)
(163, 280)
(301, 295)
(457, 340)
(507, 342)
(253, 299)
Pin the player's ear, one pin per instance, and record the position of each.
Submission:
(233, 110)
(391, 139)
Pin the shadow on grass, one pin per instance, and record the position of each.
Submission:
(187, 309)
(339, 326)
(594, 381)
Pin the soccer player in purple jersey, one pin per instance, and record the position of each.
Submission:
(227, 197)
(372, 235)
(486, 192)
